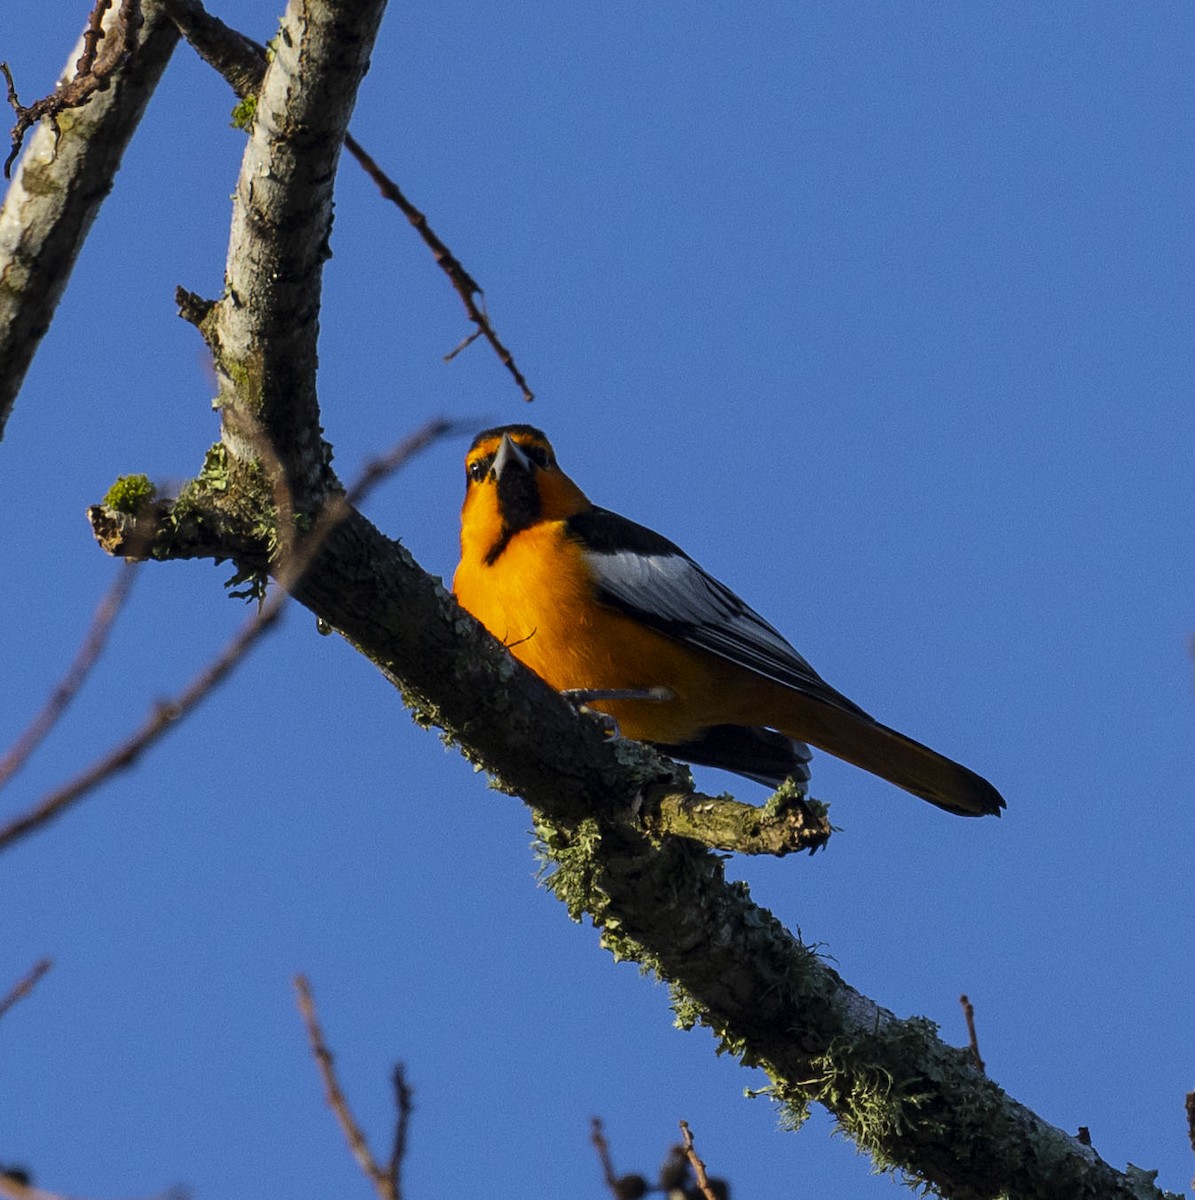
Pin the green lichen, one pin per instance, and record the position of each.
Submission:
(40, 179)
(130, 494)
(241, 383)
(567, 866)
(243, 114)
(249, 585)
(214, 475)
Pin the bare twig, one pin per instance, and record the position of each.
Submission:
(384, 465)
(68, 687)
(462, 345)
(462, 282)
(403, 1107)
(622, 1187)
(598, 1138)
(24, 986)
(698, 1166)
(384, 1179)
(166, 713)
(1191, 1118)
(241, 61)
(163, 715)
(93, 37)
(92, 73)
(969, 1014)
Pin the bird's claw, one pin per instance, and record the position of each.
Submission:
(581, 696)
(580, 699)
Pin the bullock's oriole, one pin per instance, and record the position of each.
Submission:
(599, 605)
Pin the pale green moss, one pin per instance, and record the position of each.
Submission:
(243, 114)
(130, 493)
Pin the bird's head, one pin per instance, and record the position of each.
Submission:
(512, 482)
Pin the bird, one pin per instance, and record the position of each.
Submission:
(613, 614)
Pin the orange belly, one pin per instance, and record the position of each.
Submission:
(540, 605)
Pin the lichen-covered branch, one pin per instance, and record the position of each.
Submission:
(788, 823)
(912, 1102)
(57, 190)
(263, 331)
(915, 1104)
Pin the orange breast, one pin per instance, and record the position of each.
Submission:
(537, 598)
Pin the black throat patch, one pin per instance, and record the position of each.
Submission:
(520, 505)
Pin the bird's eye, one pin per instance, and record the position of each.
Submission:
(476, 469)
(539, 455)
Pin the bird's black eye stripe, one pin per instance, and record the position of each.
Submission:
(539, 455)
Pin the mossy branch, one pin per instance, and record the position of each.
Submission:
(608, 813)
(787, 824)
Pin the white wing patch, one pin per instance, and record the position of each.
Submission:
(672, 593)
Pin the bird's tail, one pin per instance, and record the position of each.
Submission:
(853, 736)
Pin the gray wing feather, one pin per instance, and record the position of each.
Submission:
(663, 587)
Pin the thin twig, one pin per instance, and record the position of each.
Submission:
(969, 1014)
(384, 465)
(385, 1181)
(161, 717)
(462, 282)
(92, 38)
(164, 714)
(242, 62)
(598, 1138)
(68, 687)
(462, 345)
(403, 1107)
(24, 986)
(698, 1166)
(92, 73)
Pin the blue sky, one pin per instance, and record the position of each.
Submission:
(884, 313)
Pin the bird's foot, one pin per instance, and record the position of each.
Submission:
(581, 698)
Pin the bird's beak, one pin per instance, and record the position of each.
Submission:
(510, 455)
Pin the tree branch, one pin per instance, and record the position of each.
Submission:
(66, 690)
(58, 188)
(263, 331)
(385, 1179)
(24, 985)
(239, 59)
(786, 824)
(242, 62)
